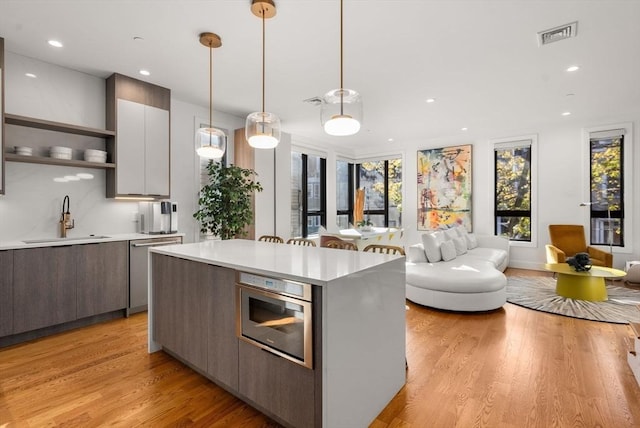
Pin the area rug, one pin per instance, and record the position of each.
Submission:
(539, 293)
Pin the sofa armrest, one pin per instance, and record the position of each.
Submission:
(493, 241)
(599, 254)
(555, 254)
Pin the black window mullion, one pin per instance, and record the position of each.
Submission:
(305, 196)
(386, 193)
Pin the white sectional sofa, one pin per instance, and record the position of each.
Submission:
(458, 271)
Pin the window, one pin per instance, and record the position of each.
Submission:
(203, 175)
(512, 162)
(308, 197)
(606, 179)
(382, 181)
(344, 193)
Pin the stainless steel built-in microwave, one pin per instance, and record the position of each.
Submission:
(275, 315)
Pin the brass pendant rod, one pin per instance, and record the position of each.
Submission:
(210, 89)
(341, 74)
(263, 59)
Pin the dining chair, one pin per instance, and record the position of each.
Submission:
(384, 249)
(271, 238)
(342, 245)
(301, 242)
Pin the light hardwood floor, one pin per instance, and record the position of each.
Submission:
(510, 368)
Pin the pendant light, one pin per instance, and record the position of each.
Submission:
(262, 129)
(211, 142)
(341, 112)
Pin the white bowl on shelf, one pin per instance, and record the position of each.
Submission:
(23, 150)
(91, 155)
(58, 152)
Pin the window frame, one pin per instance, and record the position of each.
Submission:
(627, 187)
(306, 214)
(350, 190)
(385, 210)
(533, 203)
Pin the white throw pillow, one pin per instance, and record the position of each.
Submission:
(448, 250)
(461, 245)
(450, 234)
(416, 254)
(431, 242)
(472, 241)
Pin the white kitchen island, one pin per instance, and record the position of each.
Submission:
(358, 333)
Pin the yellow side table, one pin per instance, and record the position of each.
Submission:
(588, 285)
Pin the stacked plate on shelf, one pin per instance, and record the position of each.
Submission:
(24, 151)
(59, 152)
(92, 155)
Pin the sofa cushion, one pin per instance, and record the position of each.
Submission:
(448, 250)
(462, 275)
(460, 245)
(492, 255)
(416, 254)
(451, 234)
(472, 241)
(431, 242)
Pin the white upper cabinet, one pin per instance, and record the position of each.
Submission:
(139, 113)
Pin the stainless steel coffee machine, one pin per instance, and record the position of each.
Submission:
(158, 218)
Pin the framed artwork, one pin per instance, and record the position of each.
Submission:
(444, 188)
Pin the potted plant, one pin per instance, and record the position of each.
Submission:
(365, 225)
(225, 202)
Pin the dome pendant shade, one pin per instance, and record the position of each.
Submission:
(341, 112)
(262, 130)
(211, 143)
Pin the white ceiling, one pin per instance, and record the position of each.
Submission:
(479, 59)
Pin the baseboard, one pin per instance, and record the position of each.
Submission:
(519, 264)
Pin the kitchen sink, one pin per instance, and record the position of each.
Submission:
(68, 239)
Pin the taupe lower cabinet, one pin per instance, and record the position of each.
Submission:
(44, 287)
(6, 292)
(54, 285)
(102, 275)
(197, 324)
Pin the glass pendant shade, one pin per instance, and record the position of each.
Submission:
(341, 113)
(211, 143)
(262, 130)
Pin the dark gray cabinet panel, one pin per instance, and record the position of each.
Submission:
(6, 293)
(223, 343)
(102, 278)
(277, 385)
(180, 307)
(44, 287)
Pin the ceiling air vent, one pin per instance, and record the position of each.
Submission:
(558, 33)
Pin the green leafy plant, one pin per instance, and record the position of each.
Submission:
(364, 223)
(225, 202)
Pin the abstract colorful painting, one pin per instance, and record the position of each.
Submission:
(444, 188)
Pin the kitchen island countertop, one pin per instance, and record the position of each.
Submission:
(315, 265)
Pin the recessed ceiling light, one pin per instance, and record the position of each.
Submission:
(464, 129)
(566, 113)
(390, 140)
(431, 100)
(55, 43)
(145, 72)
(33, 76)
(573, 68)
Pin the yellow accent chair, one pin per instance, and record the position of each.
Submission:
(567, 240)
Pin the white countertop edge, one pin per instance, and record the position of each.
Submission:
(111, 237)
(319, 278)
